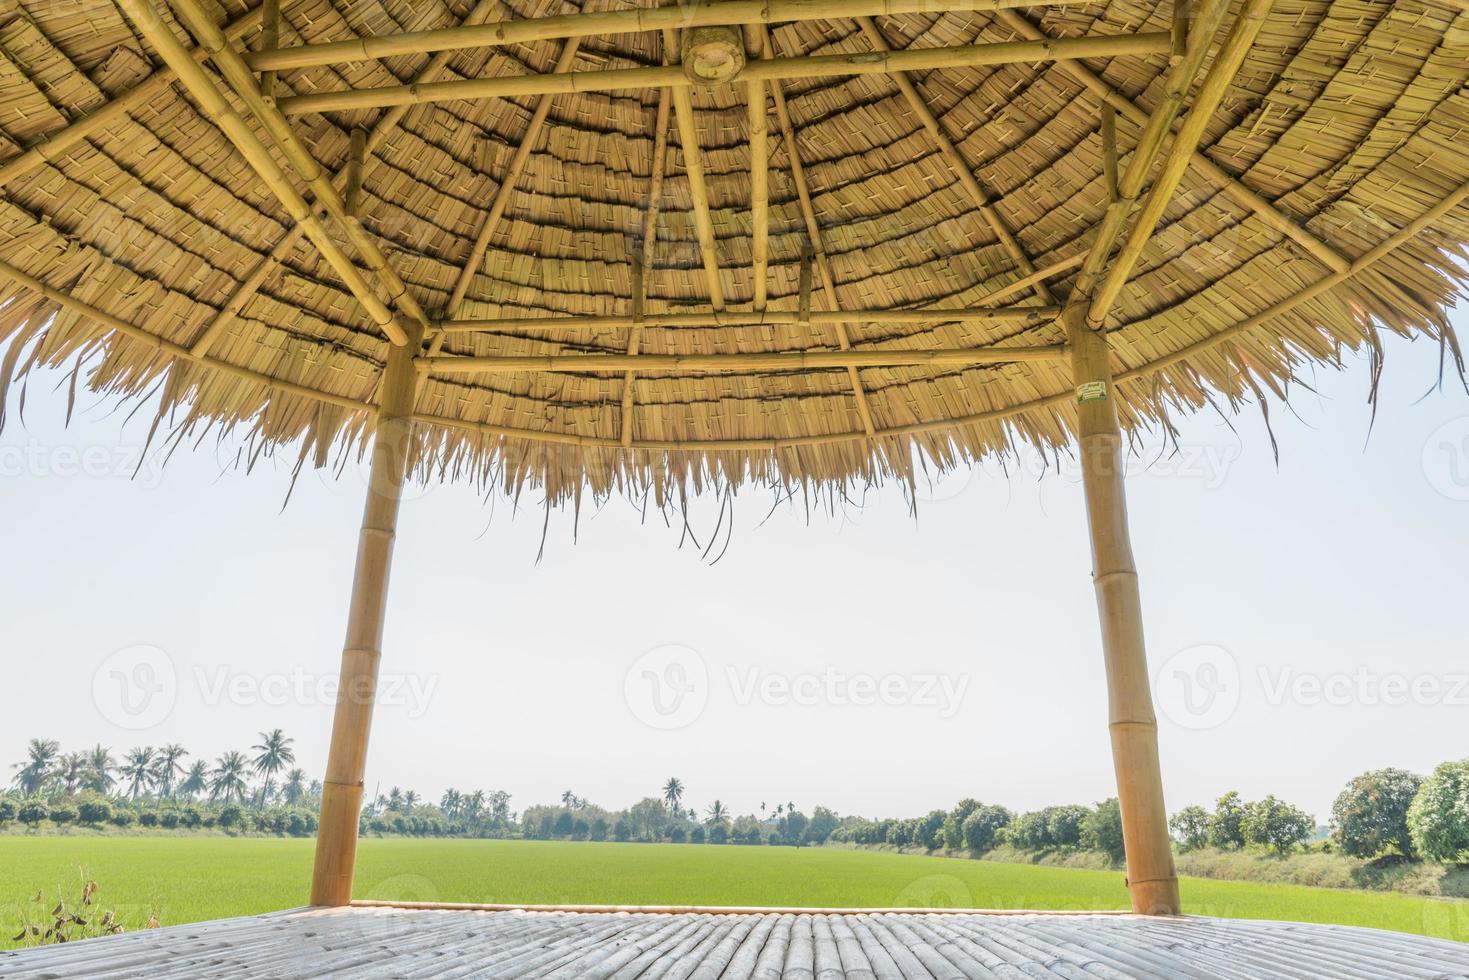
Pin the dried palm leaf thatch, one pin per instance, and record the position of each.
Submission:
(1323, 200)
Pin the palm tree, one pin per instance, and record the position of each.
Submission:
(410, 800)
(137, 769)
(71, 772)
(672, 793)
(395, 799)
(100, 767)
(474, 804)
(196, 780)
(294, 787)
(451, 802)
(167, 767)
(36, 771)
(275, 754)
(717, 814)
(568, 799)
(227, 779)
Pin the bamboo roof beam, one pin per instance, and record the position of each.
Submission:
(768, 318)
(233, 125)
(588, 24)
(813, 235)
(380, 131)
(641, 265)
(1221, 74)
(721, 363)
(766, 70)
(1150, 143)
(758, 126)
(693, 161)
(242, 81)
(1232, 187)
(508, 182)
(956, 162)
(53, 146)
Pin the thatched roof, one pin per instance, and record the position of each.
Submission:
(1325, 201)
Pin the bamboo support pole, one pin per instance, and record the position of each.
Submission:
(242, 81)
(341, 797)
(233, 125)
(956, 162)
(380, 131)
(1179, 30)
(693, 162)
(759, 174)
(813, 234)
(356, 156)
(766, 70)
(1109, 150)
(635, 21)
(1221, 74)
(770, 318)
(1151, 877)
(1233, 188)
(736, 363)
(642, 266)
(53, 146)
(1150, 143)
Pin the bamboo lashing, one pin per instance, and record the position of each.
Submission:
(1185, 143)
(152, 27)
(768, 70)
(603, 23)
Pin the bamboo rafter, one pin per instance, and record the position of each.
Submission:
(602, 23)
(813, 234)
(769, 318)
(693, 161)
(242, 82)
(956, 162)
(771, 70)
(757, 122)
(1185, 143)
(383, 128)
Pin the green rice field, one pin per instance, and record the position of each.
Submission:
(186, 879)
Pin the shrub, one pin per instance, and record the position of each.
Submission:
(719, 834)
(677, 834)
(1029, 832)
(63, 814)
(953, 833)
(1371, 814)
(190, 817)
(982, 827)
(621, 830)
(169, 819)
(7, 812)
(230, 816)
(696, 836)
(599, 829)
(94, 810)
(148, 818)
(1063, 824)
(33, 812)
(122, 817)
(1439, 817)
(1226, 826)
(1190, 827)
(563, 825)
(1277, 825)
(1102, 830)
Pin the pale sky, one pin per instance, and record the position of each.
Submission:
(866, 661)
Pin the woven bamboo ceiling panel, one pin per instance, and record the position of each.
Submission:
(769, 227)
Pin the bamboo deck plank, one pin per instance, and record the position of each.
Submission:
(383, 941)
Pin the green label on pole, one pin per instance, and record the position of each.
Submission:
(1091, 391)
